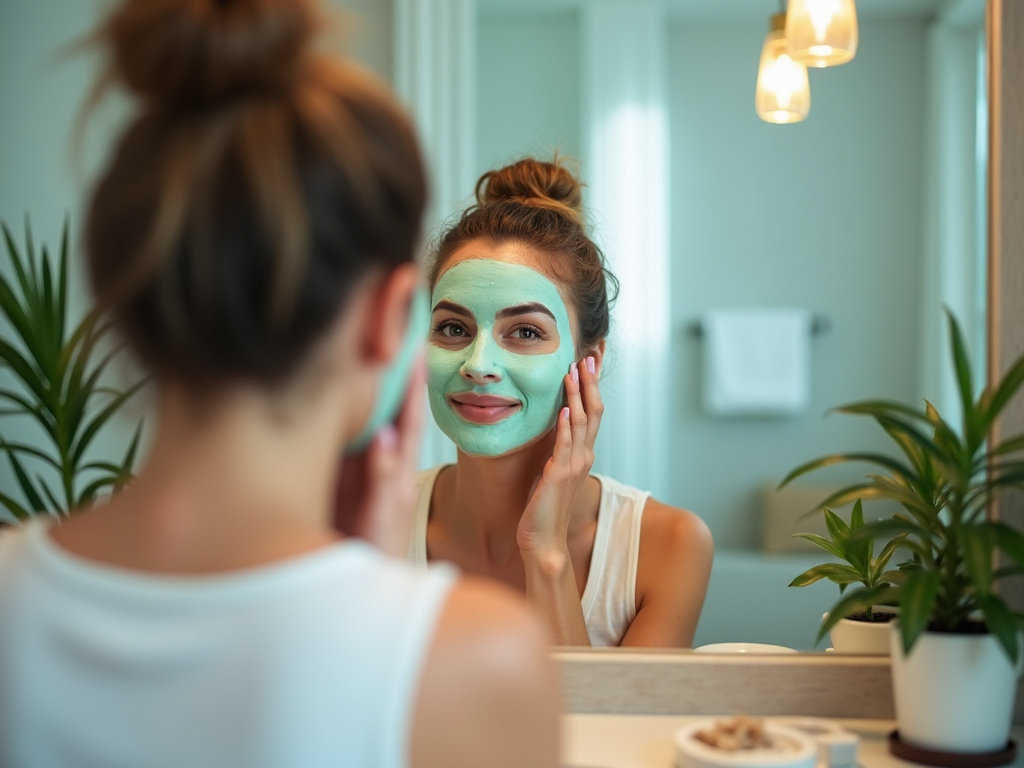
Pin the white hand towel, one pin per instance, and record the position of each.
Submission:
(757, 361)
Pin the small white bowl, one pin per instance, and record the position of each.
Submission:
(797, 750)
(743, 648)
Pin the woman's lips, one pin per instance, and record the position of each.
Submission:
(483, 409)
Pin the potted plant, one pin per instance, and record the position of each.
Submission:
(956, 646)
(57, 384)
(867, 630)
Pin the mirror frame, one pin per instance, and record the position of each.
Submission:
(1005, 38)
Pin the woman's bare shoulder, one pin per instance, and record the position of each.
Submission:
(676, 550)
(674, 528)
(488, 693)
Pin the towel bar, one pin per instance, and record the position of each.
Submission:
(819, 324)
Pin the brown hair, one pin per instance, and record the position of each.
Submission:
(256, 184)
(540, 204)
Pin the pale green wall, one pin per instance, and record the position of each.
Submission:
(369, 33)
(528, 87)
(41, 92)
(748, 229)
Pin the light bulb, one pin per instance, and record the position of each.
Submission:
(783, 93)
(822, 33)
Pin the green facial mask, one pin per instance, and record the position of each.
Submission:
(395, 381)
(485, 287)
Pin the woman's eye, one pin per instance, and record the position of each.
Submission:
(451, 330)
(527, 333)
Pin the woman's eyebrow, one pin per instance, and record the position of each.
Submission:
(524, 309)
(451, 306)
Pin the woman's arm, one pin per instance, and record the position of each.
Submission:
(488, 692)
(551, 586)
(544, 528)
(672, 577)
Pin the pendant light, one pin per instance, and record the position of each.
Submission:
(783, 93)
(822, 33)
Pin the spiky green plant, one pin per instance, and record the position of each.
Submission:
(945, 481)
(58, 385)
(858, 554)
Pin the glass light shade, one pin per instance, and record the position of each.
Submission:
(822, 33)
(783, 93)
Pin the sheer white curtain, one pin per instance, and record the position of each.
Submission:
(953, 218)
(434, 64)
(626, 167)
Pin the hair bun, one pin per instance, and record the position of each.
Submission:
(198, 52)
(537, 183)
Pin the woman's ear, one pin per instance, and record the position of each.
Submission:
(389, 314)
(597, 352)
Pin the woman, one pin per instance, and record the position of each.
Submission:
(518, 325)
(252, 237)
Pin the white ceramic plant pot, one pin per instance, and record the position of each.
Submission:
(953, 693)
(849, 636)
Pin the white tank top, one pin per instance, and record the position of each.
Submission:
(312, 661)
(609, 599)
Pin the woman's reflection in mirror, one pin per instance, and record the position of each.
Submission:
(520, 314)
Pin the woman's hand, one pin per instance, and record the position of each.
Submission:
(376, 493)
(543, 528)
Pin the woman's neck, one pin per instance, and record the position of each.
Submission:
(235, 488)
(482, 500)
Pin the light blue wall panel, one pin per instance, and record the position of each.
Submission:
(528, 87)
(824, 214)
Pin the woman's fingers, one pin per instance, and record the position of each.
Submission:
(382, 525)
(350, 492)
(383, 465)
(591, 394)
(577, 415)
(410, 420)
(388, 469)
(561, 457)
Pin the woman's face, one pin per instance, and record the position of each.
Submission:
(501, 341)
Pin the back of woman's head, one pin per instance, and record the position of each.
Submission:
(540, 204)
(256, 184)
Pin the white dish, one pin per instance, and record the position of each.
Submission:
(743, 648)
(794, 750)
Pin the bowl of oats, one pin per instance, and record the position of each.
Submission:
(743, 742)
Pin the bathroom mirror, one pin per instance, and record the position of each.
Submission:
(870, 215)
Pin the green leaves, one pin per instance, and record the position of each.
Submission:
(1002, 623)
(60, 385)
(828, 546)
(977, 542)
(1010, 541)
(847, 543)
(840, 574)
(917, 601)
(962, 366)
(945, 480)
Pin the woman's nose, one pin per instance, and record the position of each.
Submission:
(480, 366)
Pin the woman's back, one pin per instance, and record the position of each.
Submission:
(311, 661)
(252, 239)
(339, 657)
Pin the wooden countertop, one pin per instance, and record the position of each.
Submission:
(645, 741)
